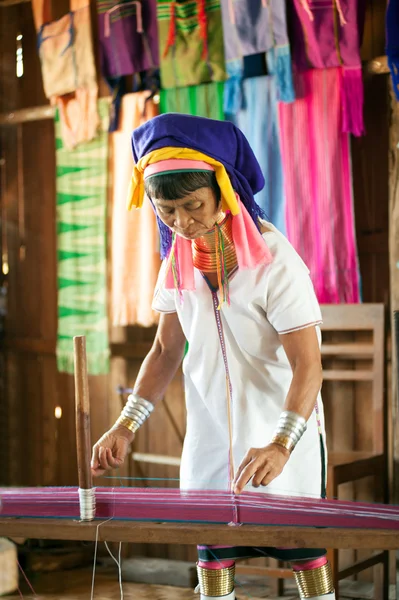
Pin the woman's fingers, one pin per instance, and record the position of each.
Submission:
(96, 471)
(261, 474)
(114, 461)
(246, 475)
(268, 478)
(102, 458)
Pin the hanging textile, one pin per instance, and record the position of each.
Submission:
(191, 42)
(81, 187)
(259, 26)
(135, 245)
(318, 186)
(128, 39)
(392, 42)
(201, 100)
(325, 35)
(68, 68)
(259, 122)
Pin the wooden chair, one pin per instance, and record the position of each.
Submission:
(353, 353)
(361, 362)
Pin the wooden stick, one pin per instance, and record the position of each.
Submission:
(82, 407)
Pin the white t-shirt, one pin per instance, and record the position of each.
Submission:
(267, 301)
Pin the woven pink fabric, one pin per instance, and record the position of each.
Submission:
(318, 186)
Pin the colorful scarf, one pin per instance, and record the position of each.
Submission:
(81, 237)
(204, 100)
(135, 257)
(318, 186)
(191, 42)
(392, 42)
(328, 34)
(219, 143)
(184, 140)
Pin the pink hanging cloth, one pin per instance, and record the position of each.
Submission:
(318, 186)
(327, 34)
(134, 243)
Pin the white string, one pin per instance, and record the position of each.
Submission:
(87, 503)
(95, 557)
(119, 565)
(95, 554)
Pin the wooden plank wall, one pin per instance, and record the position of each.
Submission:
(41, 449)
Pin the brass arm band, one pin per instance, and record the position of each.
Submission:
(315, 582)
(128, 423)
(216, 582)
(285, 441)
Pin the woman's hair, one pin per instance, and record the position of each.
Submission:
(175, 186)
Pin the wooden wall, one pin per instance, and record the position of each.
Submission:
(41, 448)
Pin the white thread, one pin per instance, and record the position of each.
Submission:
(87, 503)
(119, 565)
(96, 546)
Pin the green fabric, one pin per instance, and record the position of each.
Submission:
(81, 187)
(185, 63)
(204, 100)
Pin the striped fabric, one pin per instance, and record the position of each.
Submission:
(190, 43)
(318, 186)
(81, 228)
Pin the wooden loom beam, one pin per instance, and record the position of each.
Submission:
(82, 405)
(194, 533)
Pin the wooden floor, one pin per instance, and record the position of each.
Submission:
(76, 585)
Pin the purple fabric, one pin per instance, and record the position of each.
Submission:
(257, 27)
(320, 39)
(123, 49)
(220, 140)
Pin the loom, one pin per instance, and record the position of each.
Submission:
(164, 515)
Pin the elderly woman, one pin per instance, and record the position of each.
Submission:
(233, 288)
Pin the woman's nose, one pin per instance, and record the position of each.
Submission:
(182, 219)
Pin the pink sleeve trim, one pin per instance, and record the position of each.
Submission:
(306, 326)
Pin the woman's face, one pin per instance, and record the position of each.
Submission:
(191, 216)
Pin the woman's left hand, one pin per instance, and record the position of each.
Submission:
(263, 464)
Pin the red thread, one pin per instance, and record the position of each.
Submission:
(170, 42)
(203, 27)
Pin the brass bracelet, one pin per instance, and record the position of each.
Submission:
(285, 441)
(128, 423)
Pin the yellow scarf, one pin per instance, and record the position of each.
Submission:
(136, 187)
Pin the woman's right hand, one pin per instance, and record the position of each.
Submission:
(110, 450)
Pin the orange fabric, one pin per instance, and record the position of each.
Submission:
(68, 68)
(135, 255)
